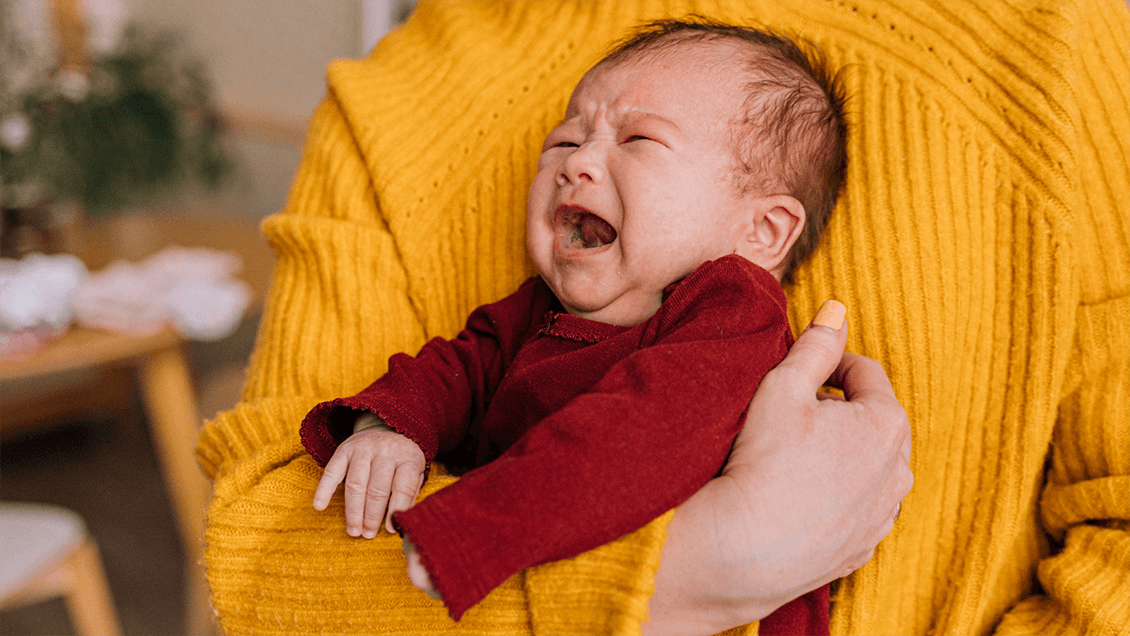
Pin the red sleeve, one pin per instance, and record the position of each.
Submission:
(648, 435)
(433, 397)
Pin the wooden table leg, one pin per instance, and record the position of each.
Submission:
(88, 595)
(170, 402)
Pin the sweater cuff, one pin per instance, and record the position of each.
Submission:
(330, 423)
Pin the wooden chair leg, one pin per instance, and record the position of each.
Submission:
(88, 598)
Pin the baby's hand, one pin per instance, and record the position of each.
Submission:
(383, 471)
(417, 573)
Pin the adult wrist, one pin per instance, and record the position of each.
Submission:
(712, 586)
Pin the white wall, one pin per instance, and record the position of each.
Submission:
(267, 60)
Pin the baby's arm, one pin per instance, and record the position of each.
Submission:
(375, 453)
(652, 429)
(383, 471)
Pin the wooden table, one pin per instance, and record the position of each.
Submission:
(161, 364)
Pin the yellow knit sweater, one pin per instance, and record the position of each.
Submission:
(982, 249)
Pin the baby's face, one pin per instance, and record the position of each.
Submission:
(635, 187)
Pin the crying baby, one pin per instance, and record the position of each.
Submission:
(694, 168)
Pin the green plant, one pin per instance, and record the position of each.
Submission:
(141, 122)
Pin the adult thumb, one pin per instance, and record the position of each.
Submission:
(817, 351)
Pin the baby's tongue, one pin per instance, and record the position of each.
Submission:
(595, 231)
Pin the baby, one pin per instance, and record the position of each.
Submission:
(696, 166)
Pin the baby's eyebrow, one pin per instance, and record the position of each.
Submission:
(636, 116)
(628, 118)
(565, 120)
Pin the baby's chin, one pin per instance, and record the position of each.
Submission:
(626, 310)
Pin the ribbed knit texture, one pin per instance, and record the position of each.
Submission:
(982, 248)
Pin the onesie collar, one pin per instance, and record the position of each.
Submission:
(570, 327)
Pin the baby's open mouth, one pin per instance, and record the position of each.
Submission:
(583, 229)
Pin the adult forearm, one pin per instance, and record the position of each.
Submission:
(699, 587)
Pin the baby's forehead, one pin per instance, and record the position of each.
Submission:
(722, 55)
(723, 62)
(693, 80)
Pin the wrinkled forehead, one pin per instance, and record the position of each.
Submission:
(705, 70)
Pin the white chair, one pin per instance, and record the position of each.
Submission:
(45, 552)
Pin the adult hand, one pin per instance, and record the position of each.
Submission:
(812, 485)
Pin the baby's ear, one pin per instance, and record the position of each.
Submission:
(775, 222)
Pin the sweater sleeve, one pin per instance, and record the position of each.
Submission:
(1085, 504)
(433, 397)
(665, 415)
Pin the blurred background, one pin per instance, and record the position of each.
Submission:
(141, 143)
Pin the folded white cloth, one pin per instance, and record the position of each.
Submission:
(38, 291)
(174, 265)
(208, 311)
(122, 298)
(194, 289)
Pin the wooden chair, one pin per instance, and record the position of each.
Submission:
(45, 552)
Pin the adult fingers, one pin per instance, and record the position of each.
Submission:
(816, 352)
(864, 382)
(405, 486)
(861, 378)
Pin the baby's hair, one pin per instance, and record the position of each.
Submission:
(793, 136)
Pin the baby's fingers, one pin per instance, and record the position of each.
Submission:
(356, 487)
(331, 477)
(377, 497)
(405, 487)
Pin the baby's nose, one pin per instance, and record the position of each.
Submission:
(586, 163)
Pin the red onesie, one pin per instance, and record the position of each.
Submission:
(580, 431)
